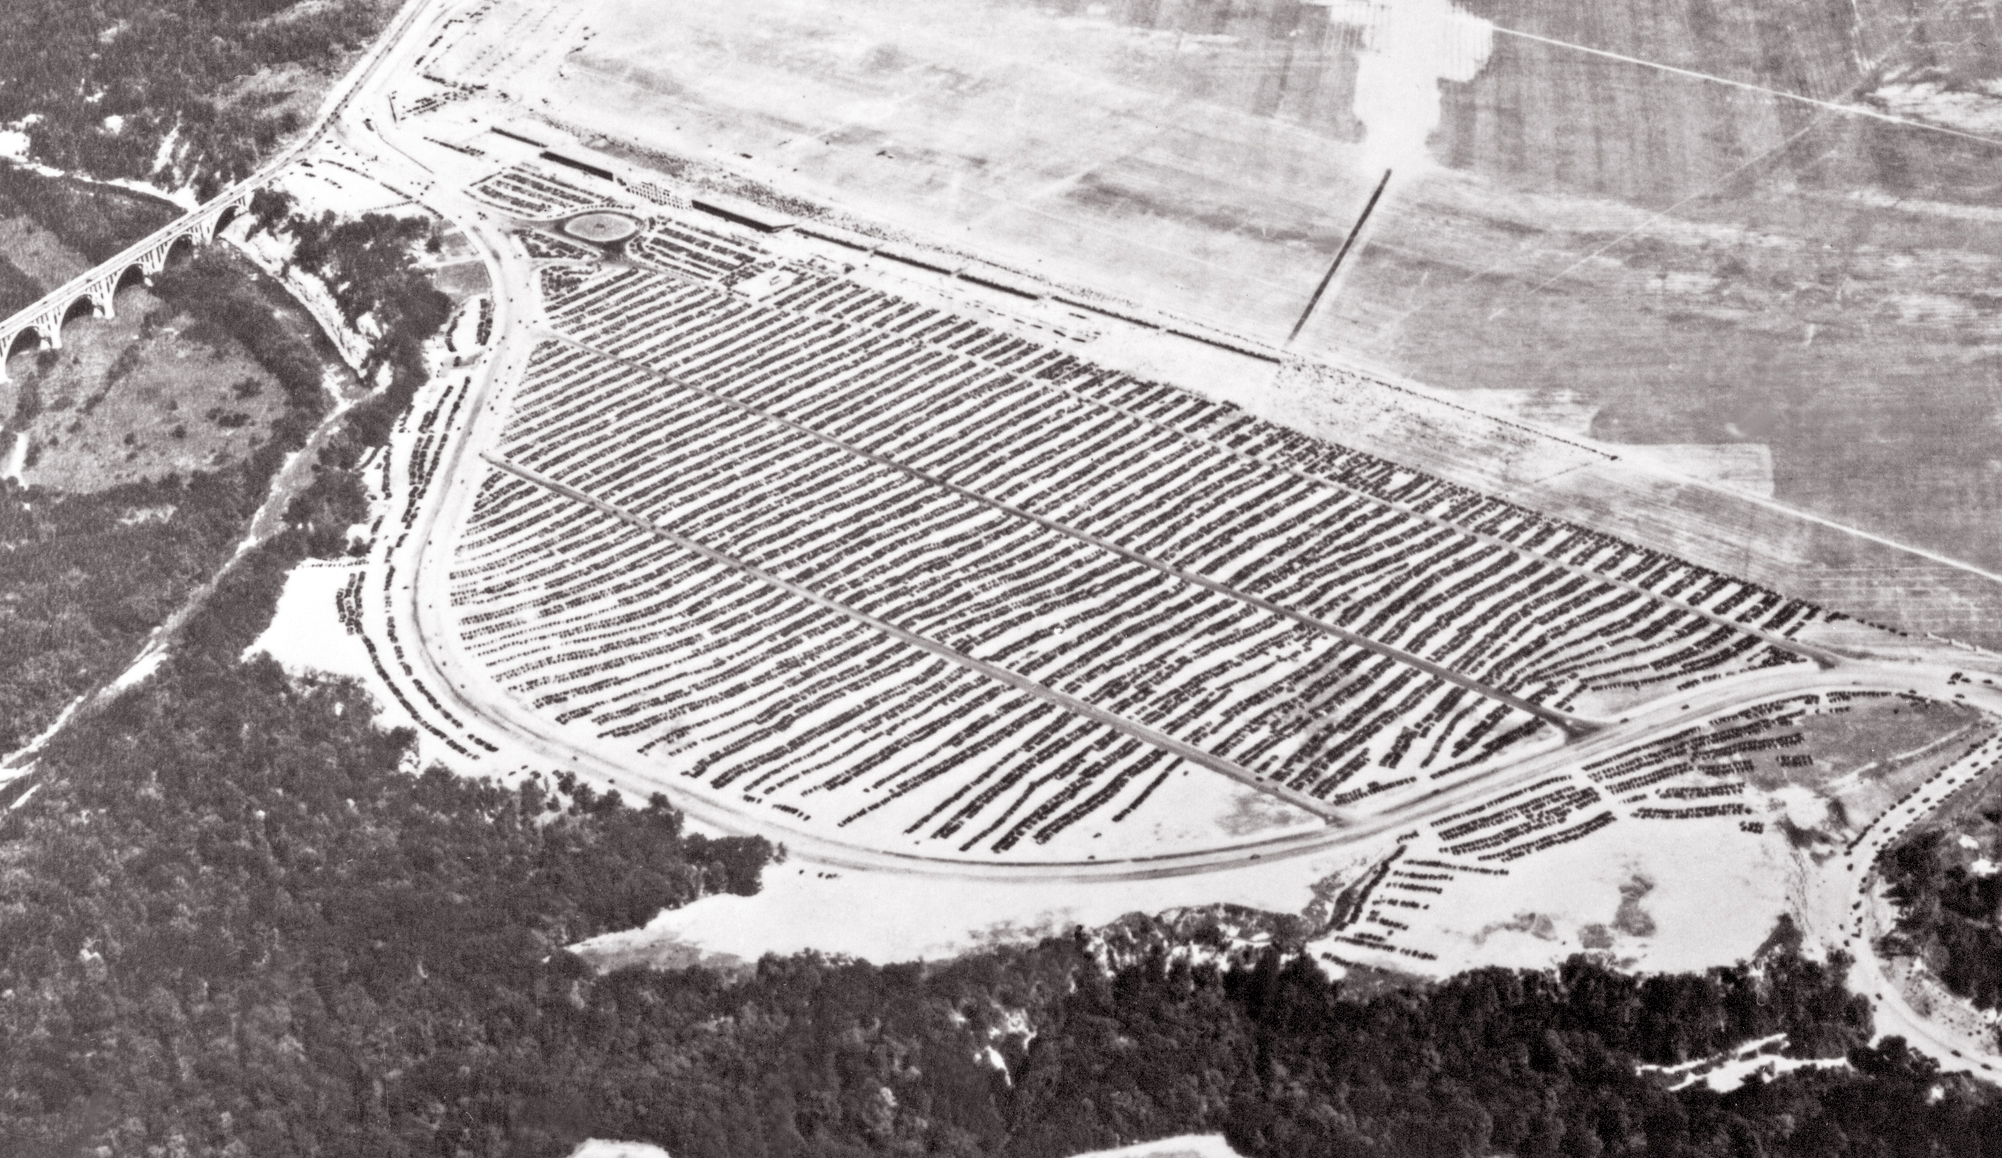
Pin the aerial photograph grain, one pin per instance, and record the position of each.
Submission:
(1000, 578)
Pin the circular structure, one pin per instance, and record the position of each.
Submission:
(602, 227)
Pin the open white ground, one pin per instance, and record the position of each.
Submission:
(306, 635)
(1728, 1071)
(890, 916)
(1653, 895)
(1180, 1146)
(149, 661)
(599, 1148)
(1704, 894)
(1975, 108)
(17, 458)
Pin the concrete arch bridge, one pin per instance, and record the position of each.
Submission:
(94, 289)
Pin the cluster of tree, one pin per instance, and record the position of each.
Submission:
(233, 921)
(85, 577)
(95, 220)
(1947, 914)
(109, 81)
(370, 265)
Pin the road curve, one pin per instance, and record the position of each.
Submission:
(463, 686)
(470, 694)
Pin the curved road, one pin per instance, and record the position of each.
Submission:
(366, 127)
(358, 115)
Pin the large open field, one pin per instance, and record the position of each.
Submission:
(150, 392)
(1684, 260)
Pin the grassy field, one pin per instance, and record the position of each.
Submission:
(1874, 737)
(1696, 262)
(148, 393)
(1870, 756)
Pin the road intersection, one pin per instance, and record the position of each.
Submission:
(361, 119)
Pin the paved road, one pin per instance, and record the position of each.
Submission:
(367, 128)
(1855, 876)
(366, 72)
(362, 122)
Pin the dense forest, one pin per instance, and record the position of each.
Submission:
(95, 220)
(1948, 914)
(103, 85)
(234, 921)
(84, 578)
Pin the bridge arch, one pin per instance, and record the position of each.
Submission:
(96, 291)
(222, 220)
(84, 305)
(25, 340)
(180, 248)
(131, 275)
(105, 290)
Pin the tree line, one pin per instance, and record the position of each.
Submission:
(102, 85)
(85, 577)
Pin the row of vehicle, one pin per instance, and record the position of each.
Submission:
(1534, 607)
(526, 192)
(1283, 701)
(761, 694)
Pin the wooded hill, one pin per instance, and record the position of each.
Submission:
(108, 81)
